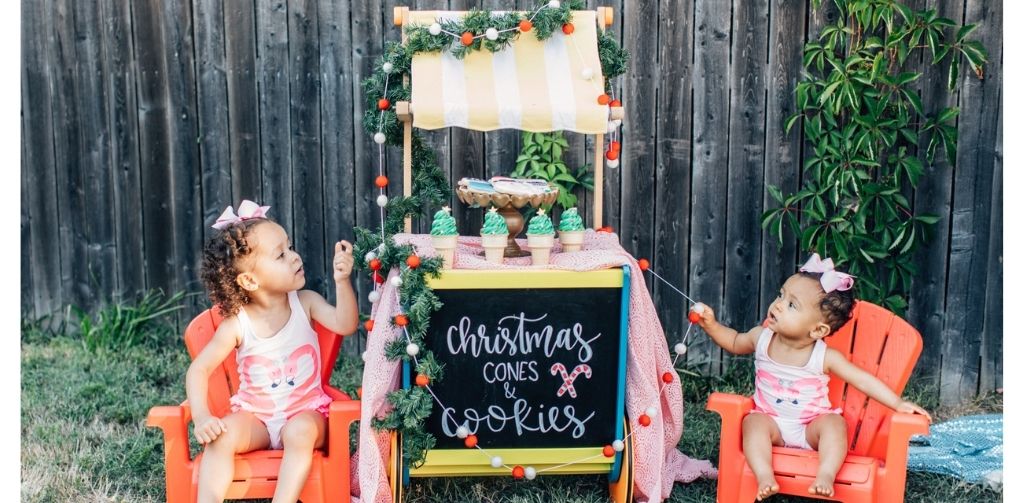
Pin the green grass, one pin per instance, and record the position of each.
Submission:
(84, 439)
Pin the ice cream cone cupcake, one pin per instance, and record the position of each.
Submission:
(540, 237)
(494, 236)
(445, 236)
(570, 230)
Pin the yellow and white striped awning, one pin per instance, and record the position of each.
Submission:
(531, 85)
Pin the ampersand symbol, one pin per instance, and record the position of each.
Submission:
(510, 392)
(568, 379)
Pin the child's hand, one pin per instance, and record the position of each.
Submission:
(707, 315)
(207, 430)
(912, 408)
(343, 261)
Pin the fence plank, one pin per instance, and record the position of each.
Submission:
(638, 142)
(745, 164)
(273, 75)
(927, 307)
(243, 101)
(439, 140)
(674, 162)
(992, 331)
(122, 116)
(710, 146)
(338, 128)
(212, 96)
(307, 172)
(167, 148)
(41, 252)
(783, 156)
(972, 199)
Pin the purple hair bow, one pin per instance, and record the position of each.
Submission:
(248, 210)
(831, 279)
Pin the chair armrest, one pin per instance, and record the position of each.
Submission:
(732, 408)
(901, 428)
(340, 415)
(173, 420)
(335, 393)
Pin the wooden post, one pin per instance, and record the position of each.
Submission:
(404, 112)
(605, 16)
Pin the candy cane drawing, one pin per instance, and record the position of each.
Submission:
(567, 378)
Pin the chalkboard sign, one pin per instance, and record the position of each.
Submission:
(529, 367)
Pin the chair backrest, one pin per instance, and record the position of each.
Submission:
(224, 379)
(886, 346)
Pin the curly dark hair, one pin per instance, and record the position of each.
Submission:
(836, 306)
(219, 265)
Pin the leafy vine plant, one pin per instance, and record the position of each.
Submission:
(865, 126)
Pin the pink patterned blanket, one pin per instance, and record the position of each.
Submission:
(658, 464)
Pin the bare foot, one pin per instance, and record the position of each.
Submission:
(822, 485)
(766, 486)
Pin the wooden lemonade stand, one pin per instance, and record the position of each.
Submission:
(534, 359)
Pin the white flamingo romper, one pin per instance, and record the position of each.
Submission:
(792, 396)
(279, 376)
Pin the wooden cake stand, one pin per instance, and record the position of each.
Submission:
(508, 206)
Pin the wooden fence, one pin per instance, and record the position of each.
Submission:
(142, 120)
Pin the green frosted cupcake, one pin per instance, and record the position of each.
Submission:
(571, 231)
(494, 236)
(445, 236)
(540, 236)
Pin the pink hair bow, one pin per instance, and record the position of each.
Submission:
(248, 210)
(831, 279)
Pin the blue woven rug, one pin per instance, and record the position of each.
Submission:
(968, 447)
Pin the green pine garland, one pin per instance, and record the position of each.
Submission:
(430, 188)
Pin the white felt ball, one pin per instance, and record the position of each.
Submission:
(587, 73)
(652, 411)
(554, 4)
(462, 432)
(396, 281)
(374, 296)
(491, 34)
(611, 127)
(379, 138)
(680, 349)
(613, 163)
(531, 473)
(698, 308)
(412, 349)
(370, 256)
(382, 200)
(388, 67)
(618, 445)
(435, 29)
(496, 462)
(365, 356)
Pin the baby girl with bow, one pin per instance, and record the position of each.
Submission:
(792, 365)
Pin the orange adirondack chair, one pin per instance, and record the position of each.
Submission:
(876, 467)
(255, 472)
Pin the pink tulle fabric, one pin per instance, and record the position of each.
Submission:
(657, 464)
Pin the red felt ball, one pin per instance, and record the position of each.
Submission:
(381, 181)
(667, 377)
(467, 39)
(412, 261)
(359, 392)
(471, 441)
(608, 451)
(615, 103)
(644, 264)
(383, 104)
(422, 380)
(518, 472)
(603, 99)
(525, 25)
(368, 325)
(694, 317)
(375, 264)
(645, 420)
(606, 228)
(568, 28)
(377, 278)
(611, 155)
(401, 320)
(615, 146)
